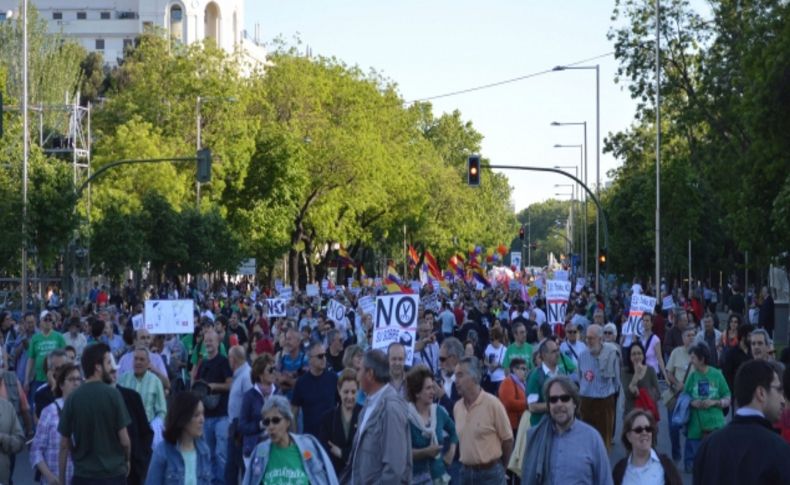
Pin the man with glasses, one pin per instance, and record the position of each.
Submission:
(450, 354)
(563, 449)
(426, 350)
(748, 450)
(315, 391)
(549, 355)
(572, 347)
(41, 344)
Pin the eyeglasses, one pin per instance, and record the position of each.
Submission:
(642, 429)
(561, 397)
(442, 359)
(572, 332)
(275, 420)
(608, 332)
(320, 356)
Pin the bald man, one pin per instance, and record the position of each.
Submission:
(142, 339)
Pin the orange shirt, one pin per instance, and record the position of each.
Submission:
(514, 399)
(482, 427)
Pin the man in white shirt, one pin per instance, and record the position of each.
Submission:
(572, 347)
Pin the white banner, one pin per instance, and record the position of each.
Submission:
(138, 321)
(169, 316)
(430, 302)
(557, 294)
(579, 284)
(396, 321)
(336, 311)
(639, 305)
(275, 307)
(247, 267)
(667, 303)
(515, 259)
(312, 290)
(367, 304)
(286, 293)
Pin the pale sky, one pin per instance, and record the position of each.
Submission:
(435, 47)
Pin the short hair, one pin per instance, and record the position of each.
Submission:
(330, 335)
(750, 376)
(545, 330)
(51, 356)
(597, 329)
(74, 321)
(281, 404)
(610, 327)
(376, 360)
(97, 327)
(349, 354)
(313, 345)
(627, 357)
(764, 333)
(61, 375)
(701, 351)
(238, 353)
(543, 347)
(454, 347)
(496, 334)
(393, 344)
(473, 365)
(347, 375)
(415, 380)
(179, 413)
(567, 385)
(259, 366)
(628, 422)
(516, 325)
(515, 362)
(92, 356)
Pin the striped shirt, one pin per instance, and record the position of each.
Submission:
(592, 382)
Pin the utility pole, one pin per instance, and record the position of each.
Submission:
(529, 236)
(25, 152)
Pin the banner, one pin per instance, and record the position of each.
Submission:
(286, 293)
(396, 321)
(557, 294)
(169, 316)
(312, 290)
(336, 312)
(367, 304)
(639, 305)
(667, 303)
(247, 267)
(138, 322)
(278, 284)
(579, 285)
(515, 259)
(430, 302)
(275, 307)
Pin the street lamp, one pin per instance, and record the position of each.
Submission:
(198, 131)
(597, 157)
(25, 150)
(582, 233)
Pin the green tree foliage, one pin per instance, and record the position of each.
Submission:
(547, 219)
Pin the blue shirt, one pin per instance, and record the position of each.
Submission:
(578, 456)
(315, 395)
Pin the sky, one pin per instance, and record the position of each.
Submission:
(435, 47)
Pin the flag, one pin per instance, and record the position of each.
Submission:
(393, 276)
(433, 266)
(344, 259)
(479, 275)
(413, 259)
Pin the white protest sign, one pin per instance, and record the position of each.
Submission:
(561, 275)
(639, 305)
(312, 290)
(286, 293)
(367, 304)
(137, 321)
(247, 267)
(278, 284)
(275, 307)
(430, 302)
(667, 303)
(437, 286)
(515, 259)
(579, 284)
(396, 321)
(513, 285)
(557, 294)
(336, 311)
(169, 316)
(416, 286)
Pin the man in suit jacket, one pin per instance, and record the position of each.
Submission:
(379, 454)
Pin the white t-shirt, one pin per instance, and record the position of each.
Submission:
(493, 354)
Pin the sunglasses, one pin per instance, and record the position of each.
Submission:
(562, 397)
(642, 429)
(608, 332)
(275, 420)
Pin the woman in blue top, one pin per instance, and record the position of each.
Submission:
(433, 437)
(182, 458)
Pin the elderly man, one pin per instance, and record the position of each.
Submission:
(572, 347)
(150, 389)
(242, 382)
(598, 377)
(563, 449)
(712, 337)
(381, 452)
(396, 353)
(142, 339)
(450, 354)
(484, 432)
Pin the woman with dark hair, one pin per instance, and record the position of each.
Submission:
(263, 378)
(638, 379)
(46, 442)
(512, 392)
(729, 337)
(710, 394)
(643, 465)
(183, 456)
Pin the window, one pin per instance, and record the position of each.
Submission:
(2, 16)
(57, 15)
(82, 15)
(99, 44)
(105, 15)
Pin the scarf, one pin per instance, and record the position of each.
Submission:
(535, 467)
(416, 419)
(518, 381)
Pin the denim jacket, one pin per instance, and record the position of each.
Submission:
(167, 464)
(316, 462)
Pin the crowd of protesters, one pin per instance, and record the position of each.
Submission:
(494, 392)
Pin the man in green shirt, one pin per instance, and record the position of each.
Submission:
(549, 353)
(41, 344)
(520, 348)
(93, 424)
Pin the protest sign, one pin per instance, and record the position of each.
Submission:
(667, 303)
(515, 259)
(286, 293)
(396, 321)
(278, 284)
(312, 290)
(633, 326)
(138, 322)
(416, 286)
(557, 294)
(367, 304)
(247, 267)
(561, 275)
(169, 316)
(336, 311)
(430, 302)
(579, 284)
(275, 307)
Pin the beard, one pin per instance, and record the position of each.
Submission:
(106, 377)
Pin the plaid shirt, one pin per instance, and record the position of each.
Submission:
(46, 443)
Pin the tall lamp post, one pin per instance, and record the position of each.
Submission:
(584, 194)
(583, 233)
(570, 224)
(597, 159)
(25, 151)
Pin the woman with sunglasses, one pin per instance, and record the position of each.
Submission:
(643, 465)
(297, 459)
(183, 457)
(263, 378)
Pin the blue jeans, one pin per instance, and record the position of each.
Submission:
(674, 438)
(493, 475)
(216, 432)
(692, 446)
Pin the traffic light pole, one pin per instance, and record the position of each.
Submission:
(601, 213)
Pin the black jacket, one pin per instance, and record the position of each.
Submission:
(140, 434)
(671, 473)
(332, 430)
(746, 451)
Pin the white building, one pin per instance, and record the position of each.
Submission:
(107, 26)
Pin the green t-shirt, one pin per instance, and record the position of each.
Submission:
(40, 347)
(535, 383)
(188, 341)
(710, 385)
(92, 416)
(285, 467)
(523, 351)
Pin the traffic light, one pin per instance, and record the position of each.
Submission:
(473, 170)
(204, 165)
(521, 233)
(602, 258)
